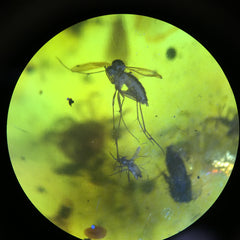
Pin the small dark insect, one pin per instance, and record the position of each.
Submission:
(41, 189)
(95, 232)
(70, 101)
(129, 165)
(178, 180)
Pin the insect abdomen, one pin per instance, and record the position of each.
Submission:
(135, 89)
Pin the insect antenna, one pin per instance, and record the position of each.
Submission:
(63, 64)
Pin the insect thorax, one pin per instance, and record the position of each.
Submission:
(115, 71)
(124, 161)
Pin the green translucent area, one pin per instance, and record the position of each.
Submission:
(61, 153)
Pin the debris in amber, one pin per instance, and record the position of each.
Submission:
(95, 232)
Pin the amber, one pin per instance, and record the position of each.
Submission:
(145, 166)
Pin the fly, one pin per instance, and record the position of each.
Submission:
(116, 73)
(117, 76)
(129, 165)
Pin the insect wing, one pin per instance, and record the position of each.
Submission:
(136, 153)
(145, 72)
(82, 68)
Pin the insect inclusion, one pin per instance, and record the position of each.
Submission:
(119, 74)
(129, 165)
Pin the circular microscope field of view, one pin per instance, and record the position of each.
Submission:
(122, 127)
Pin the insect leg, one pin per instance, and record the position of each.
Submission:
(121, 114)
(128, 176)
(115, 133)
(120, 108)
(113, 101)
(142, 125)
(120, 171)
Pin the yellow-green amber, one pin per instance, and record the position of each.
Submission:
(61, 153)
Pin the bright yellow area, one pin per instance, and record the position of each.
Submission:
(61, 153)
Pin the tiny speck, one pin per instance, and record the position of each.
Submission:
(156, 115)
(171, 53)
(93, 227)
(41, 189)
(30, 69)
(198, 177)
(70, 101)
